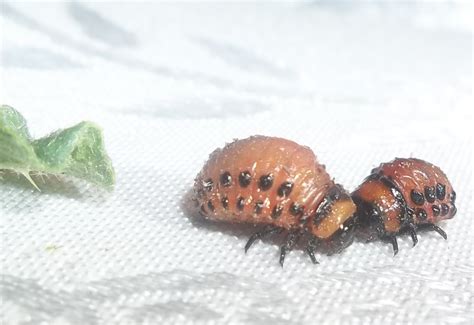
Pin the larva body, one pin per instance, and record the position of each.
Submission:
(274, 182)
(404, 195)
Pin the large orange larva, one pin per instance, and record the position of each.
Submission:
(278, 184)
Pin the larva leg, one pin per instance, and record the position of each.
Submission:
(412, 232)
(312, 245)
(433, 227)
(266, 231)
(393, 240)
(290, 242)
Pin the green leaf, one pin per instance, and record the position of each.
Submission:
(77, 151)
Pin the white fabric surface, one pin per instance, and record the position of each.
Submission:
(359, 84)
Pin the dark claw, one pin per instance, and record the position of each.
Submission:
(290, 242)
(311, 255)
(394, 242)
(282, 255)
(413, 235)
(438, 230)
(267, 230)
(310, 250)
(433, 227)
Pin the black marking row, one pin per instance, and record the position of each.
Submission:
(438, 210)
(295, 209)
(431, 193)
(265, 182)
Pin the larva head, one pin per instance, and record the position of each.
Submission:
(334, 218)
(379, 207)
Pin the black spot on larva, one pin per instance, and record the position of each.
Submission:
(430, 193)
(334, 193)
(210, 205)
(417, 197)
(436, 210)
(444, 209)
(440, 191)
(296, 209)
(207, 184)
(276, 212)
(226, 179)
(421, 214)
(203, 210)
(245, 178)
(240, 203)
(265, 182)
(285, 189)
(258, 207)
(225, 202)
(453, 197)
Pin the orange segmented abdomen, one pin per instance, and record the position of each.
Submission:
(262, 180)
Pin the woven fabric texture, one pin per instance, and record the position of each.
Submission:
(169, 83)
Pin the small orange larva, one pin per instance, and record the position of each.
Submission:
(279, 184)
(404, 195)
